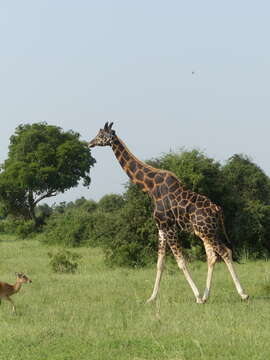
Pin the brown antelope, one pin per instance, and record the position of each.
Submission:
(6, 290)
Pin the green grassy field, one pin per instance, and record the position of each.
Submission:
(100, 313)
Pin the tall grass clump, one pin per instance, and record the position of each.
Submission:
(64, 261)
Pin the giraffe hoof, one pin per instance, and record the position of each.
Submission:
(245, 297)
(200, 301)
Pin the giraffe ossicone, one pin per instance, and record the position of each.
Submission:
(175, 207)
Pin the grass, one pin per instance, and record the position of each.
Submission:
(100, 313)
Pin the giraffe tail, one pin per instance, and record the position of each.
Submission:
(230, 244)
(221, 219)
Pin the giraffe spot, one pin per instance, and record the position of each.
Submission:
(190, 194)
(117, 154)
(175, 212)
(120, 147)
(178, 192)
(173, 202)
(122, 162)
(182, 224)
(151, 175)
(156, 193)
(199, 218)
(183, 202)
(129, 174)
(167, 203)
(163, 189)
(193, 198)
(170, 180)
(158, 179)
(191, 208)
(139, 175)
(206, 203)
(174, 187)
(199, 204)
(200, 223)
(133, 166)
(149, 183)
(126, 155)
(160, 215)
(201, 198)
(159, 205)
(181, 211)
(184, 195)
(200, 212)
(209, 211)
(140, 185)
(146, 170)
(116, 142)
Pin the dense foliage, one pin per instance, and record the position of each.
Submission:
(124, 227)
(43, 160)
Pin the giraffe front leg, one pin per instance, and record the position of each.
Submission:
(160, 264)
(182, 265)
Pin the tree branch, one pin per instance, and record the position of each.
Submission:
(49, 194)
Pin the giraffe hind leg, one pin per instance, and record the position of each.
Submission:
(226, 255)
(176, 250)
(211, 261)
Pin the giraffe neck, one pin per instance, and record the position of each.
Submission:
(135, 168)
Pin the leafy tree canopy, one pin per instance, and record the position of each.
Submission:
(43, 161)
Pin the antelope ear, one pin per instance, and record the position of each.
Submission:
(106, 126)
(110, 126)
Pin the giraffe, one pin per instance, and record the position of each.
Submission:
(175, 207)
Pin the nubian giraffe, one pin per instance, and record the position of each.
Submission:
(175, 207)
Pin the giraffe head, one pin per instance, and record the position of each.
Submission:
(104, 137)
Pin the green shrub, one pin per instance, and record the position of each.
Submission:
(64, 261)
(70, 228)
(25, 229)
(21, 228)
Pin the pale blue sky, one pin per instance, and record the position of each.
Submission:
(78, 64)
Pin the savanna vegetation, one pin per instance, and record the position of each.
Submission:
(44, 160)
(100, 313)
(92, 262)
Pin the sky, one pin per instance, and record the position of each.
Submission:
(169, 74)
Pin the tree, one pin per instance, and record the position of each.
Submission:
(43, 161)
(110, 202)
(247, 206)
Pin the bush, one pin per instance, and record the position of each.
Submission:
(64, 261)
(70, 228)
(130, 234)
(25, 229)
(19, 227)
